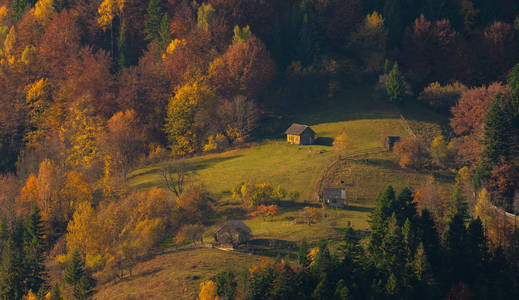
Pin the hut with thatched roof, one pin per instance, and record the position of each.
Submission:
(233, 233)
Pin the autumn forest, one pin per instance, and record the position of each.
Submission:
(118, 117)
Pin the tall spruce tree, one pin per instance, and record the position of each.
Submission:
(395, 88)
(163, 33)
(379, 219)
(497, 139)
(75, 269)
(34, 256)
(154, 15)
(11, 277)
(55, 293)
(122, 46)
(454, 245)
(79, 278)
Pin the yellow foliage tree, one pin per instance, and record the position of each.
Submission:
(43, 11)
(29, 195)
(9, 44)
(83, 231)
(3, 13)
(80, 133)
(487, 213)
(370, 40)
(75, 190)
(107, 10)
(106, 13)
(28, 54)
(208, 291)
(39, 101)
(180, 122)
(48, 186)
(174, 45)
(31, 296)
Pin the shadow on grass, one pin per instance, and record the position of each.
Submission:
(193, 167)
(209, 162)
(324, 141)
(383, 163)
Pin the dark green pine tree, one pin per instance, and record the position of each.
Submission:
(302, 253)
(60, 5)
(410, 240)
(84, 289)
(34, 257)
(75, 269)
(395, 88)
(55, 293)
(497, 139)
(77, 276)
(426, 286)
(324, 289)
(458, 203)
(155, 13)
(226, 285)
(454, 245)
(122, 46)
(163, 38)
(3, 229)
(379, 220)
(405, 208)
(18, 7)
(394, 256)
(11, 279)
(476, 250)
(428, 235)
(342, 292)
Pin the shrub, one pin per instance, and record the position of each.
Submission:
(412, 153)
(190, 233)
(442, 98)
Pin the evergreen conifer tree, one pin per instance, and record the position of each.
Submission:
(11, 279)
(454, 242)
(496, 133)
(75, 269)
(55, 293)
(122, 45)
(395, 88)
(163, 34)
(34, 256)
(155, 13)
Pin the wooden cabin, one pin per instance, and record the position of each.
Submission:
(334, 197)
(300, 134)
(233, 233)
(390, 141)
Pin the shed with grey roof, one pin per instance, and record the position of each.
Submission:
(300, 134)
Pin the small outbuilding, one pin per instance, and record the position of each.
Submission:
(300, 134)
(390, 141)
(233, 233)
(334, 197)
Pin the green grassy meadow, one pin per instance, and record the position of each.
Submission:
(364, 173)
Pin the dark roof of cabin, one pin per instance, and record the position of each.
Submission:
(297, 129)
(332, 193)
(234, 225)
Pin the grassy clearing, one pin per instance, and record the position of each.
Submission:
(366, 121)
(175, 275)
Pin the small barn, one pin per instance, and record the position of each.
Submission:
(233, 233)
(300, 134)
(390, 141)
(334, 197)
